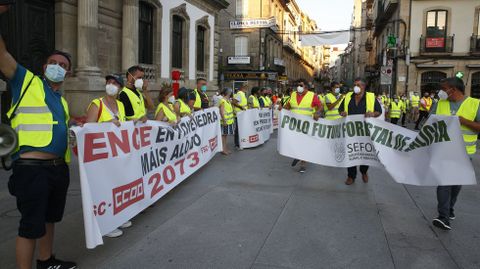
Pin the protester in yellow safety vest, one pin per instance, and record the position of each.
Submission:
(201, 97)
(304, 102)
(395, 110)
(240, 103)
(135, 95)
(332, 102)
(264, 100)
(184, 104)
(453, 102)
(323, 99)
(285, 98)
(227, 115)
(415, 103)
(363, 103)
(40, 177)
(425, 105)
(164, 112)
(108, 108)
(253, 98)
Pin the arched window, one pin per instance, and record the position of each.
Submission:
(177, 41)
(475, 85)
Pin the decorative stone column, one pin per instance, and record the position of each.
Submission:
(87, 56)
(130, 33)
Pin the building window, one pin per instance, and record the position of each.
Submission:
(145, 34)
(177, 41)
(201, 48)
(241, 46)
(478, 22)
(431, 81)
(241, 8)
(437, 23)
(475, 85)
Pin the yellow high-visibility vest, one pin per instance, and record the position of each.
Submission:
(396, 110)
(305, 106)
(428, 102)
(138, 103)
(468, 110)
(370, 98)
(415, 101)
(243, 101)
(167, 111)
(198, 100)
(254, 103)
(106, 115)
(323, 100)
(184, 108)
(227, 112)
(33, 120)
(332, 114)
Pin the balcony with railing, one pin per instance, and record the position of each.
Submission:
(370, 3)
(385, 10)
(475, 44)
(369, 44)
(436, 45)
(369, 23)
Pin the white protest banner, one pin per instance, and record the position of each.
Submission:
(435, 156)
(254, 127)
(276, 117)
(125, 169)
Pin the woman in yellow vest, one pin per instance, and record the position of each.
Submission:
(395, 110)
(108, 108)
(164, 112)
(454, 103)
(226, 113)
(184, 105)
(253, 98)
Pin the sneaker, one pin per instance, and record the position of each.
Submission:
(452, 216)
(295, 161)
(302, 170)
(441, 223)
(115, 233)
(53, 263)
(127, 224)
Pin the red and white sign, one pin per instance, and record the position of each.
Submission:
(125, 169)
(254, 127)
(435, 42)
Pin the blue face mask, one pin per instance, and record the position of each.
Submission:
(204, 88)
(55, 73)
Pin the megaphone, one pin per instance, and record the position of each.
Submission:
(8, 140)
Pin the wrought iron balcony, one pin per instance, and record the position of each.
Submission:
(369, 45)
(369, 24)
(436, 44)
(475, 44)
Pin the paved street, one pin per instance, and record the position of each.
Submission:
(251, 210)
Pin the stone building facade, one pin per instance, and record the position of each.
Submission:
(108, 36)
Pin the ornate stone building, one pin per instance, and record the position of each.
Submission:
(107, 36)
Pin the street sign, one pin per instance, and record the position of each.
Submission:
(386, 75)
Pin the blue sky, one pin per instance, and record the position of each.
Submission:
(329, 14)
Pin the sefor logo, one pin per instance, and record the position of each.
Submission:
(127, 195)
(339, 150)
(213, 143)
(253, 138)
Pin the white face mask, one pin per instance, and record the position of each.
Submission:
(171, 99)
(337, 90)
(111, 89)
(442, 95)
(139, 83)
(395, 100)
(300, 89)
(55, 73)
(357, 90)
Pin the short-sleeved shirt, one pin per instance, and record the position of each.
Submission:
(315, 102)
(123, 97)
(454, 107)
(53, 99)
(361, 108)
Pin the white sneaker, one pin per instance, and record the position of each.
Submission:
(126, 225)
(115, 233)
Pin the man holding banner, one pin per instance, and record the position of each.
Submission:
(332, 102)
(364, 103)
(454, 102)
(304, 102)
(239, 103)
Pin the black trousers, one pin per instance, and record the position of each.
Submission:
(446, 198)
(352, 171)
(404, 117)
(423, 114)
(237, 140)
(394, 120)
